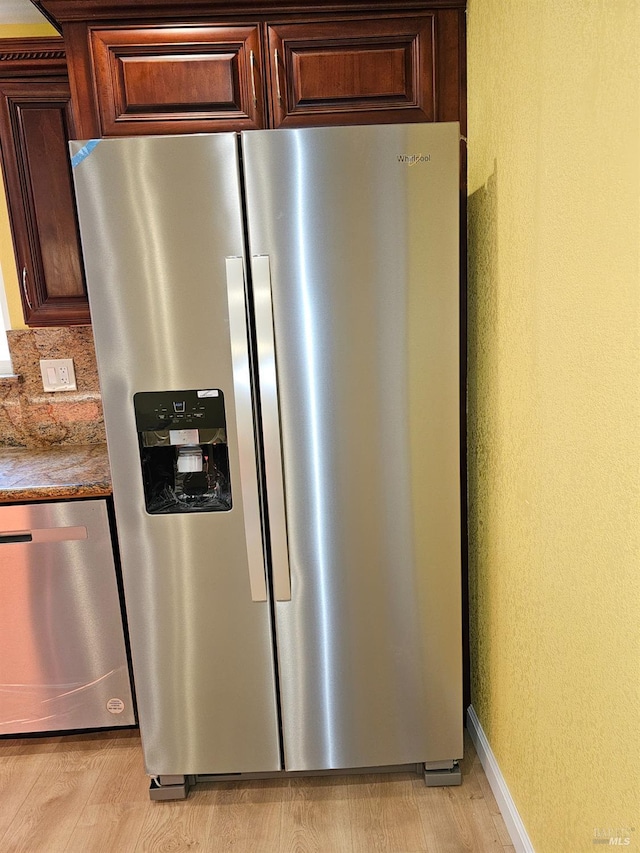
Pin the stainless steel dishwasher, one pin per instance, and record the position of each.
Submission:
(63, 661)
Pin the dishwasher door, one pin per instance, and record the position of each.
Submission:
(63, 661)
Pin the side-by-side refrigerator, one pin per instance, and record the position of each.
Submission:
(276, 317)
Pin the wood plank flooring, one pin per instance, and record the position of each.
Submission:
(89, 794)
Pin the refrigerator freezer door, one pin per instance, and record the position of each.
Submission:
(361, 229)
(159, 218)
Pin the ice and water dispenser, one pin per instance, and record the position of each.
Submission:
(183, 450)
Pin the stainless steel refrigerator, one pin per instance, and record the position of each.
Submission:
(276, 316)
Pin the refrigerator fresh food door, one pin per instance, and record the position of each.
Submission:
(63, 663)
(353, 234)
(162, 238)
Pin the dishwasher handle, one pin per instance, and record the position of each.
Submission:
(16, 536)
(43, 534)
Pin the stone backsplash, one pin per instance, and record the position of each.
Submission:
(31, 417)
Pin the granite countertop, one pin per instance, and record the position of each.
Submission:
(49, 473)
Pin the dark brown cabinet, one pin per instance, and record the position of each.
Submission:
(187, 79)
(204, 66)
(35, 125)
(177, 79)
(352, 71)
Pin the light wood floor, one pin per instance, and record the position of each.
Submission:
(89, 794)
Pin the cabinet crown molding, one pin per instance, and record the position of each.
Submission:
(95, 11)
(24, 57)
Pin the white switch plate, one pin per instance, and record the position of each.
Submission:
(58, 374)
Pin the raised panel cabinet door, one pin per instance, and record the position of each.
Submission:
(190, 79)
(353, 71)
(35, 126)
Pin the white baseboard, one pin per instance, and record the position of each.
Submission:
(507, 807)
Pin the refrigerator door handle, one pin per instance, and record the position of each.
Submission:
(244, 427)
(271, 426)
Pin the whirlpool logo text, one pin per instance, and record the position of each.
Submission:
(412, 159)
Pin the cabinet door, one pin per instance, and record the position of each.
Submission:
(35, 125)
(158, 80)
(352, 72)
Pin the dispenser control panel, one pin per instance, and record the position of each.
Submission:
(177, 410)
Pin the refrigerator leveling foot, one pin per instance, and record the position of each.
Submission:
(438, 776)
(169, 788)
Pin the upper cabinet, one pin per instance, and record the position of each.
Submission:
(201, 66)
(176, 79)
(342, 72)
(36, 123)
(365, 70)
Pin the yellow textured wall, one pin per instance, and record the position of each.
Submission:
(554, 408)
(7, 258)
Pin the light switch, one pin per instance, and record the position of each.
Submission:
(58, 374)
